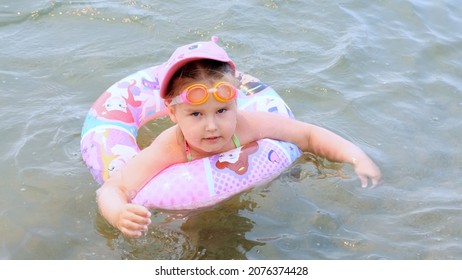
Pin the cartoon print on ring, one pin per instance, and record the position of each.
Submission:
(237, 160)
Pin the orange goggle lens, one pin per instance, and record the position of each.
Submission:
(197, 94)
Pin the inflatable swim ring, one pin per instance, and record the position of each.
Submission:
(108, 141)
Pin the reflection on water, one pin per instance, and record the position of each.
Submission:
(384, 74)
(216, 233)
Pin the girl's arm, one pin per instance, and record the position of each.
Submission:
(310, 138)
(115, 195)
(333, 147)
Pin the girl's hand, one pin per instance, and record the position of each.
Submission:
(366, 169)
(133, 220)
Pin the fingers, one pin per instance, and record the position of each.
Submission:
(376, 177)
(366, 169)
(134, 220)
(364, 181)
(375, 180)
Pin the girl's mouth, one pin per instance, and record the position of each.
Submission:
(212, 139)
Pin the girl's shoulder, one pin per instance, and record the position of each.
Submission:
(255, 125)
(263, 120)
(170, 140)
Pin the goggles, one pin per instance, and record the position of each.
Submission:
(197, 94)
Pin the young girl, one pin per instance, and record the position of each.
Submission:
(198, 85)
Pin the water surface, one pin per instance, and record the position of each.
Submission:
(384, 74)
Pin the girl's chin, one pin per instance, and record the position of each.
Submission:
(211, 147)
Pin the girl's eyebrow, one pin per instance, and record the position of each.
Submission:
(200, 108)
(191, 110)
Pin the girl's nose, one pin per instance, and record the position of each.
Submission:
(211, 124)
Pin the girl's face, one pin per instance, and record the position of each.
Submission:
(208, 127)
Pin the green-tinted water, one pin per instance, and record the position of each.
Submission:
(384, 74)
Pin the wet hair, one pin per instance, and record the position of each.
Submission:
(205, 70)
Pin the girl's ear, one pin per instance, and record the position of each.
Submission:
(171, 111)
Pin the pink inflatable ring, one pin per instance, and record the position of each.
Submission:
(109, 133)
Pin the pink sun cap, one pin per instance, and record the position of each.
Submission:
(185, 54)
